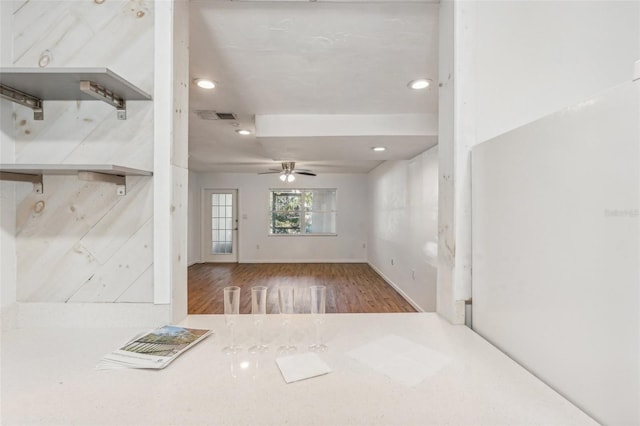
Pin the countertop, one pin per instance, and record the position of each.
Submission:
(49, 377)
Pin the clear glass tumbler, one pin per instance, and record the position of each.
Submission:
(286, 304)
(318, 303)
(258, 314)
(231, 313)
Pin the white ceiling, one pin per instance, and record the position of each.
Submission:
(319, 83)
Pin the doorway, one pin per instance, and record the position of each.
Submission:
(220, 225)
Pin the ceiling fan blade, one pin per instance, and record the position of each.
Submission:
(304, 173)
(269, 173)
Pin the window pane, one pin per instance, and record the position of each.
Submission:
(320, 200)
(286, 201)
(320, 223)
(221, 247)
(285, 223)
(303, 211)
(221, 223)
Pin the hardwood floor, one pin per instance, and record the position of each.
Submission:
(351, 287)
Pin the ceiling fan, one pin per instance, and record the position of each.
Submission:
(288, 170)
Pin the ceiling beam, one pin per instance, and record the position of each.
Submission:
(309, 125)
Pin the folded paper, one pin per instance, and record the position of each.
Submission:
(301, 366)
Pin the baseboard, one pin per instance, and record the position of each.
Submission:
(90, 315)
(396, 288)
(302, 261)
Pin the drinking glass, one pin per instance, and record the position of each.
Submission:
(231, 313)
(285, 303)
(318, 302)
(258, 314)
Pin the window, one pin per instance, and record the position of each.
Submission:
(302, 212)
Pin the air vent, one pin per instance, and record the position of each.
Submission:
(226, 115)
(205, 114)
(209, 114)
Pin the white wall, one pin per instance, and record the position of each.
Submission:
(255, 245)
(536, 57)
(403, 226)
(502, 65)
(454, 263)
(170, 154)
(555, 288)
(555, 250)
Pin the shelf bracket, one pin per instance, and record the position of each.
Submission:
(23, 99)
(36, 180)
(103, 94)
(118, 180)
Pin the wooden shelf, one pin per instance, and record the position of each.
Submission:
(91, 172)
(30, 86)
(72, 169)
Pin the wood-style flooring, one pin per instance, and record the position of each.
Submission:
(351, 287)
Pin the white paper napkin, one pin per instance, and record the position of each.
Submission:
(301, 366)
(400, 359)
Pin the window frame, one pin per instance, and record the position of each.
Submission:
(301, 213)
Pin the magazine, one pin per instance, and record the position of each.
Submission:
(155, 349)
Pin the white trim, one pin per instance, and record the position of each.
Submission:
(398, 289)
(302, 261)
(162, 170)
(205, 227)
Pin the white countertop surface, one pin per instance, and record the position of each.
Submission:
(48, 378)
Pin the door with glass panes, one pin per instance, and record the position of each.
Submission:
(220, 225)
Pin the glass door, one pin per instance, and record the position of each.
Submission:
(220, 225)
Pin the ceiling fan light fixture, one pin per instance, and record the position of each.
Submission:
(204, 83)
(287, 171)
(419, 84)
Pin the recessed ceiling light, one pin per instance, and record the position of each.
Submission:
(205, 84)
(379, 148)
(421, 83)
(243, 132)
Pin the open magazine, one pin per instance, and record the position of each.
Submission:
(155, 349)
